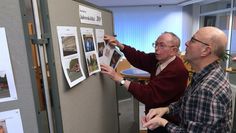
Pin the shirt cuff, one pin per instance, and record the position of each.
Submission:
(167, 124)
(124, 47)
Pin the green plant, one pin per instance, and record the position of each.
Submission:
(226, 55)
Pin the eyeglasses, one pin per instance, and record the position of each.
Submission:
(194, 39)
(160, 45)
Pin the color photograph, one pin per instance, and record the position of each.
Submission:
(90, 50)
(69, 45)
(4, 89)
(3, 127)
(92, 63)
(70, 54)
(74, 70)
(101, 47)
(88, 43)
(7, 83)
(10, 122)
(114, 59)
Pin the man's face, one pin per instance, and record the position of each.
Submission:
(164, 49)
(195, 47)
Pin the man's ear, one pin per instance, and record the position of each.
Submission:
(175, 49)
(206, 51)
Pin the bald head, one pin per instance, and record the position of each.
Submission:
(216, 38)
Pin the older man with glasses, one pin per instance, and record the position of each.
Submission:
(206, 106)
(168, 74)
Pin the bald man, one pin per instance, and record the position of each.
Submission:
(207, 102)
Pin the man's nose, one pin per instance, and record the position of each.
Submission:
(187, 43)
(156, 49)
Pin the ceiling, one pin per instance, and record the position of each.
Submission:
(114, 3)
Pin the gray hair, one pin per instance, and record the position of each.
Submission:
(175, 39)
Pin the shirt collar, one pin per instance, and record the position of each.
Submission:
(164, 64)
(199, 75)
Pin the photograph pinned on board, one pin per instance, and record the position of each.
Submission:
(7, 83)
(92, 63)
(100, 41)
(116, 56)
(70, 54)
(101, 47)
(69, 45)
(88, 43)
(3, 126)
(107, 52)
(73, 70)
(10, 122)
(91, 54)
(4, 89)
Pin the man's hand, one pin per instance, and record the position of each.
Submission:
(105, 69)
(111, 40)
(154, 122)
(153, 119)
(157, 112)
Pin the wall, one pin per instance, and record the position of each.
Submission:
(139, 26)
(187, 25)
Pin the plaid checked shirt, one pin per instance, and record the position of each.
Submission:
(206, 106)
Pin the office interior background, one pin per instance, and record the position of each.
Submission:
(139, 25)
(96, 104)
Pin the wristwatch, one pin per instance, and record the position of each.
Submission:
(122, 82)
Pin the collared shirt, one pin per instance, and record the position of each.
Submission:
(163, 65)
(206, 106)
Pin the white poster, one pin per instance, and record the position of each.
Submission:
(107, 54)
(101, 45)
(70, 54)
(111, 56)
(7, 83)
(90, 16)
(10, 122)
(90, 50)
